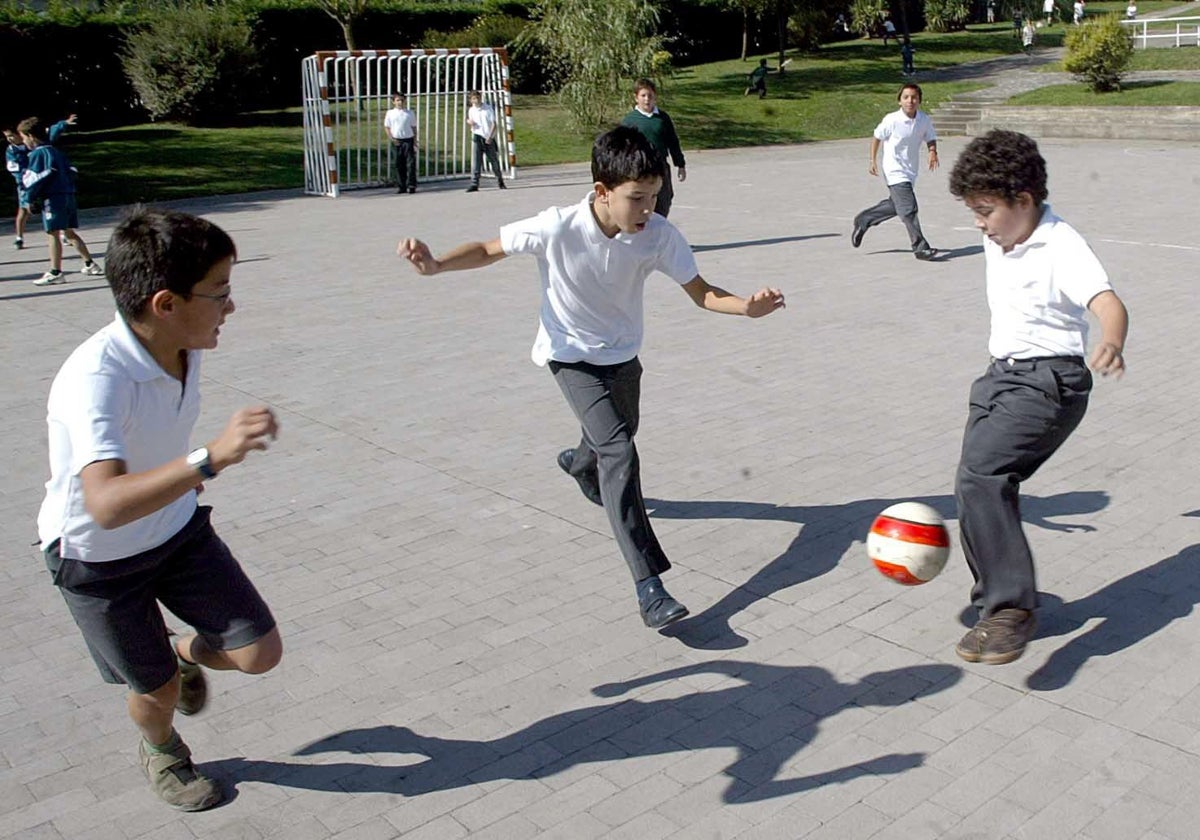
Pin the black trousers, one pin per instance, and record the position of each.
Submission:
(406, 163)
(662, 206)
(1020, 414)
(486, 148)
(605, 399)
(902, 202)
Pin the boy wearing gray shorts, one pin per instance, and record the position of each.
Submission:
(120, 527)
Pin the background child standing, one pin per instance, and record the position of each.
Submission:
(658, 128)
(481, 116)
(1042, 280)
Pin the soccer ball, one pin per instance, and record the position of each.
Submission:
(909, 543)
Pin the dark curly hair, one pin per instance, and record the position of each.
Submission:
(1001, 163)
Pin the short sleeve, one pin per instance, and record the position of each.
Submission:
(527, 236)
(884, 130)
(675, 257)
(92, 410)
(1078, 272)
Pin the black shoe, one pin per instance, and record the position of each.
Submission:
(658, 608)
(857, 235)
(999, 638)
(927, 254)
(589, 483)
(503, 186)
(400, 191)
(473, 188)
(412, 190)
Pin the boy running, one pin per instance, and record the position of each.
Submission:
(594, 258)
(120, 528)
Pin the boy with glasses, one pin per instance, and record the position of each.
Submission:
(120, 527)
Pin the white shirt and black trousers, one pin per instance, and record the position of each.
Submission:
(483, 135)
(112, 401)
(902, 139)
(589, 334)
(1032, 396)
(401, 124)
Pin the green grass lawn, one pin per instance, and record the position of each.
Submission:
(1132, 94)
(839, 92)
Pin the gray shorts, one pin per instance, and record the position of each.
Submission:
(193, 574)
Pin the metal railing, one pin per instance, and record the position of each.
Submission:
(1165, 32)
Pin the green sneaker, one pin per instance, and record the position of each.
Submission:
(174, 778)
(193, 687)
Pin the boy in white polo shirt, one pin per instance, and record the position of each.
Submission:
(901, 133)
(594, 258)
(120, 527)
(400, 126)
(1042, 280)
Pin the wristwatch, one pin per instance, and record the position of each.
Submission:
(198, 459)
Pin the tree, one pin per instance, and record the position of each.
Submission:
(598, 48)
(346, 12)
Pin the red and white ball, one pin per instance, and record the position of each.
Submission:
(909, 543)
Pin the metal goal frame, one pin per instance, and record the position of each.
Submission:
(347, 92)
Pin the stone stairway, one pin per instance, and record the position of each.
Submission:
(954, 116)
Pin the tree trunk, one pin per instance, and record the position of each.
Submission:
(745, 31)
(782, 20)
(348, 33)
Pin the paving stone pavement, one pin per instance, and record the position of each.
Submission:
(463, 654)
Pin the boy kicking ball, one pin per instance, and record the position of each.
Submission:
(594, 258)
(1042, 280)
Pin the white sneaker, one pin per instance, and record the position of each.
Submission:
(50, 279)
(92, 269)
(18, 243)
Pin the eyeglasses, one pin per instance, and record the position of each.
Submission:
(221, 299)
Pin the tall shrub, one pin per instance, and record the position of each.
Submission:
(866, 15)
(1098, 52)
(599, 46)
(192, 62)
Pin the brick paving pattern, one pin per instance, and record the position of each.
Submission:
(463, 653)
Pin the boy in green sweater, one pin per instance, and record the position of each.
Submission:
(653, 122)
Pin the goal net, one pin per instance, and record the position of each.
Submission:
(347, 93)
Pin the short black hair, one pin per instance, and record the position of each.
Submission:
(153, 249)
(912, 86)
(644, 84)
(624, 154)
(1000, 163)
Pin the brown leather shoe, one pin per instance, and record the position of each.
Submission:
(999, 638)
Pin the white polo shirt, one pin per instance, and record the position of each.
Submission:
(902, 140)
(401, 123)
(592, 286)
(483, 120)
(1039, 292)
(112, 401)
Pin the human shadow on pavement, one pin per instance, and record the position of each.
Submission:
(1131, 609)
(827, 533)
(955, 253)
(724, 246)
(789, 704)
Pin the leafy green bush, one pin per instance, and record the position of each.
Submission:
(1099, 52)
(529, 68)
(191, 62)
(866, 16)
(946, 15)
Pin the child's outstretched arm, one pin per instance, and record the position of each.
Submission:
(1109, 355)
(715, 299)
(467, 256)
(874, 168)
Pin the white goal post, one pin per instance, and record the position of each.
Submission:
(347, 93)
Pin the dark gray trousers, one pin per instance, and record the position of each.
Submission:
(406, 163)
(490, 150)
(662, 205)
(902, 202)
(605, 400)
(1020, 414)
